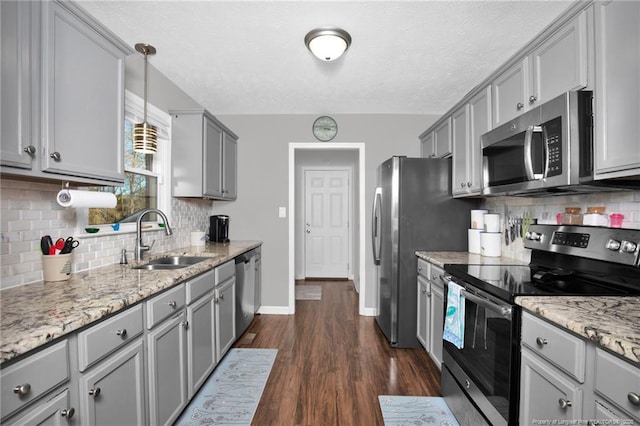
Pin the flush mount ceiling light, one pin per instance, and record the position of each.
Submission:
(145, 136)
(327, 43)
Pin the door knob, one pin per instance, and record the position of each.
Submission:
(122, 333)
(68, 413)
(94, 392)
(56, 156)
(308, 231)
(564, 403)
(31, 150)
(519, 106)
(22, 390)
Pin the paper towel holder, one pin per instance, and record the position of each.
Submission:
(65, 197)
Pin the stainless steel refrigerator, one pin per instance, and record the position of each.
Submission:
(412, 210)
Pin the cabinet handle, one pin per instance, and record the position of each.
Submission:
(469, 184)
(185, 324)
(633, 398)
(564, 403)
(56, 156)
(419, 268)
(424, 291)
(122, 333)
(462, 185)
(541, 341)
(173, 304)
(222, 297)
(31, 150)
(519, 106)
(68, 413)
(22, 390)
(95, 392)
(532, 99)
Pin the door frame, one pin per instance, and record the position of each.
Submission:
(350, 218)
(360, 148)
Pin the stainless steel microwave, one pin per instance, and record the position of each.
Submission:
(547, 149)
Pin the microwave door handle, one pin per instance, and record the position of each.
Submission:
(528, 154)
(546, 151)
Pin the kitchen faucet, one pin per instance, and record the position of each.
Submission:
(140, 247)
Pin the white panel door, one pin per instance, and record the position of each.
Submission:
(326, 223)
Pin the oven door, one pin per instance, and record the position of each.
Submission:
(487, 367)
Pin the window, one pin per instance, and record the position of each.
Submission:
(143, 182)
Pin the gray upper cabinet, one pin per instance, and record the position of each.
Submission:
(426, 144)
(18, 78)
(436, 142)
(204, 155)
(556, 65)
(67, 76)
(617, 91)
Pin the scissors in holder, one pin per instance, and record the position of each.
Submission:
(69, 245)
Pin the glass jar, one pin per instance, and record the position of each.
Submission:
(572, 216)
(595, 216)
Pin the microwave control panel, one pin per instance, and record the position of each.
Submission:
(553, 141)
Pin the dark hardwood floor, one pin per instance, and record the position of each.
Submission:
(332, 363)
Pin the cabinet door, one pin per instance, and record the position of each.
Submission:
(225, 317)
(229, 166)
(560, 63)
(201, 341)
(508, 93)
(442, 139)
(112, 393)
(54, 412)
(422, 326)
(436, 308)
(18, 146)
(460, 137)
(426, 145)
(167, 372)
(546, 393)
(479, 124)
(83, 97)
(617, 93)
(212, 170)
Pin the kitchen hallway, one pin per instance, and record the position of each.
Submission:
(332, 363)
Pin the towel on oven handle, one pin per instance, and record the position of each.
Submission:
(454, 316)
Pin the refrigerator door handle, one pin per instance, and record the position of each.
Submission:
(375, 226)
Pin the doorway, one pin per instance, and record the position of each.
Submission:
(330, 157)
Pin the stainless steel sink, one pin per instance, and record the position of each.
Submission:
(178, 260)
(171, 262)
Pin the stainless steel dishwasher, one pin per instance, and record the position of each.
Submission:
(245, 291)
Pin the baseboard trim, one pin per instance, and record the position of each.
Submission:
(274, 310)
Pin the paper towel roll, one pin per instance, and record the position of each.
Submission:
(74, 198)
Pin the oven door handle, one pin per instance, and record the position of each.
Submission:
(504, 311)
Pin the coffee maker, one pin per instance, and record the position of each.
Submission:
(219, 229)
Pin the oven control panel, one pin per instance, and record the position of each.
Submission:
(608, 244)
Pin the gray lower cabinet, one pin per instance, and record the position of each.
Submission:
(113, 391)
(565, 377)
(225, 308)
(204, 156)
(55, 411)
(63, 77)
(430, 299)
(201, 333)
(167, 356)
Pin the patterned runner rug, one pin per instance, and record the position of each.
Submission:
(231, 395)
(415, 410)
(308, 292)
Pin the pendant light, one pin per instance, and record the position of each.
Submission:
(145, 136)
(327, 43)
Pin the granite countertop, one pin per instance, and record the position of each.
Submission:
(34, 314)
(442, 258)
(611, 322)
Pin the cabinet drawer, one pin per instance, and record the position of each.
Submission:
(164, 305)
(564, 350)
(619, 382)
(225, 271)
(36, 374)
(104, 338)
(200, 286)
(423, 268)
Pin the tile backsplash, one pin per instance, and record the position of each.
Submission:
(29, 210)
(545, 209)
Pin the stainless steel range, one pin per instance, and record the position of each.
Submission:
(480, 381)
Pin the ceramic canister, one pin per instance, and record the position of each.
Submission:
(474, 240)
(491, 222)
(491, 244)
(477, 219)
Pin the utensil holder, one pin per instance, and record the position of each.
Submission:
(56, 267)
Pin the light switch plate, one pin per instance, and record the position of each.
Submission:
(282, 212)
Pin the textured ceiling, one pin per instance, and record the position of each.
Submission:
(249, 57)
